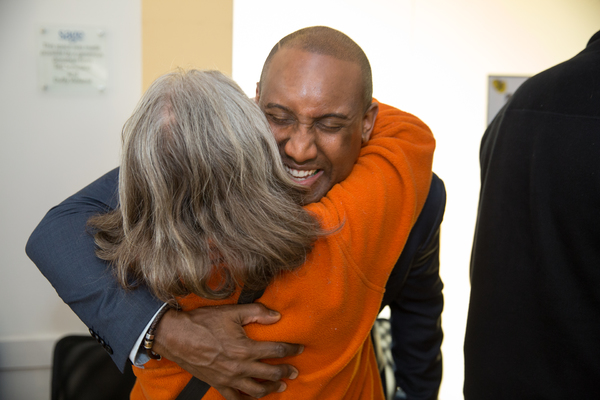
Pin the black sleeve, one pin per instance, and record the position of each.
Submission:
(414, 294)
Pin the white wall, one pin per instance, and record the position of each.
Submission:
(432, 58)
(51, 145)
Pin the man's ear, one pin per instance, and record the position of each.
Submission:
(369, 121)
(257, 92)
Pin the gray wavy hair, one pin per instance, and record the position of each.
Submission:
(205, 203)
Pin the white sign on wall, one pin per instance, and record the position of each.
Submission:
(500, 89)
(72, 60)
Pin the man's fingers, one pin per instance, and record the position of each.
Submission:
(273, 373)
(261, 389)
(211, 344)
(229, 393)
(264, 350)
(254, 313)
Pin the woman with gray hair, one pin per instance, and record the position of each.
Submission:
(207, 210)
(205, 203)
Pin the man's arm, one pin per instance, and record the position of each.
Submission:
(202, 341)
(414, 294)
(64, 251)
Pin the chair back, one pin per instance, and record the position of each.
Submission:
(82, 369)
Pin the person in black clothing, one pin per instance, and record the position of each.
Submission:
(533, 326)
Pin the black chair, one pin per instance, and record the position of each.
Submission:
(82, 369)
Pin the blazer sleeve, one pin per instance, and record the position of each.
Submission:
(414, 294)
(64, 251)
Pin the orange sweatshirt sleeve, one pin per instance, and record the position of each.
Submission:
(382, 197)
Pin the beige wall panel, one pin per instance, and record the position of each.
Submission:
(185, 33)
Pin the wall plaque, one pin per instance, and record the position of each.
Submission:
(500, 89)
(72, 60)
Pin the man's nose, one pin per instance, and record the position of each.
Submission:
(301, 146)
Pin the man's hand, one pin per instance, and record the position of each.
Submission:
(210, 343)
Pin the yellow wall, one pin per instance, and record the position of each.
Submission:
(185, 33)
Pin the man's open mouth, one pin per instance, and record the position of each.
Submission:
(300, 175)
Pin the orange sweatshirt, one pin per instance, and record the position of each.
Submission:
(330, 303)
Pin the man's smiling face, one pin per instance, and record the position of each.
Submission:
(314, 105)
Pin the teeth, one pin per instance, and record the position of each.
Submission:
(298, 174)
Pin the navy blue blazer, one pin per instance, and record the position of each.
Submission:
(63, 250)
(414, 294)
